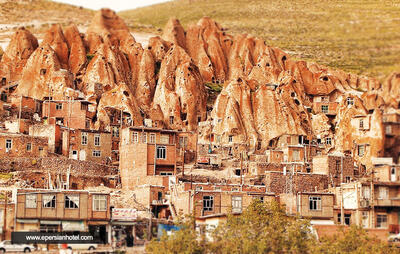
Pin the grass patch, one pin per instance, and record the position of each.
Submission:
(89, 57)
(213, 87)
(357, 36)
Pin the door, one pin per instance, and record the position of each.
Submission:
(393, 174)
(82, 155)
(74, 155)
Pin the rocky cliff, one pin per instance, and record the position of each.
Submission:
(265, 93)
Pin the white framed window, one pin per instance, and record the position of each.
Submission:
(84, 138)
(152, 139)
(208, 203)
(171, 120)
(383, 192)
(144, 137)
(8, 144)
(350, 101)
(361, 124)
(30, 200)
(388, 129)
(96, 153)
(49, 200)
(381, 221)
(366, 191)
(135, 137)
(29, 146)
(325, 109)
(230, 139)
(72, 201)
(115, 131)
(59, 106)
(161, 152)
(361, 150)
(236, 204)
(314, 203)
(328, 141)
(97, 139)
(296, 155)
(99, 202)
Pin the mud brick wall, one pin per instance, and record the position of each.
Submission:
(278, 183)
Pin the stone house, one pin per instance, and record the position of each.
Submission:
(21, 145)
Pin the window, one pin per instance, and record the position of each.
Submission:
(183, 142)
(315, 203)
(72, 201)
(152, 138)
(144, 137)
(361, 124)
(325, 109)
(338, 167)
(366, 191)
(8, 144)
(84, 106)
(381, 221)
(30, 201)
(115, 131)
(328, 141)
(99, 203)
(171, 120)
(296, 155)
(96, 153)
(361, 150)
(230, 139)
(161, 152)
(383, 192)
(49, 200)
(29, 147)
(348, 179)
(135, 137)
(388, 129)
(97, 139)
(87, 124)
(208, 203)
(165, 173)
(236, 204)
(164, 139)
(347, 218)
(350, 101)
(59, 106)
(84, 138)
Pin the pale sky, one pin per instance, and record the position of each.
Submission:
(116, 5)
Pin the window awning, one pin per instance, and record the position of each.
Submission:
(50, 222)
(123, 223)
(27, 221)
(73, 226)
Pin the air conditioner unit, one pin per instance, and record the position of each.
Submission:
(364, 203)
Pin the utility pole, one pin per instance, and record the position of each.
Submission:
(183, 163)
(241, 168)
(5, 216)
(341, 191)
(19, 114)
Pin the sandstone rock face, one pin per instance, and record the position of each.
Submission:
(77, 51)
(180, 92)
(43, 76)
(174, 33)
(55, 38)
(20, 48)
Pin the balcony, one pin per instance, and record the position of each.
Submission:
(160, 202)
(387, 202)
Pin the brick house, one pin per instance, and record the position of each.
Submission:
(146, 152)
(70, 113)
(63, 210)
(91, 145)
(334, 166)
(317, 206)
(21, 145)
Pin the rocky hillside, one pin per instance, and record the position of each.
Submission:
(355, 36)
(260, 91)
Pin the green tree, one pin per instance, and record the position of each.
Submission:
(262, 228)
(185, 240)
